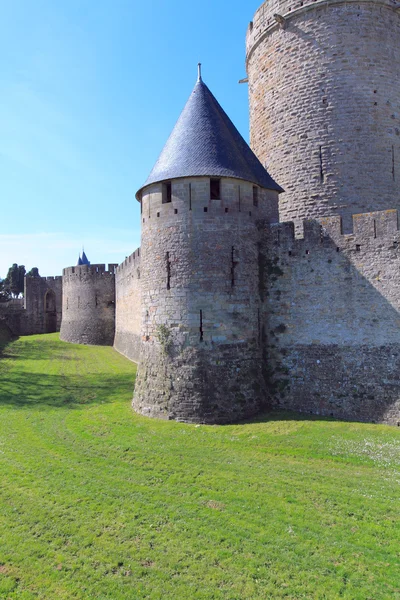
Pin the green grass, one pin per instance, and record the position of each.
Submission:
(97, 502)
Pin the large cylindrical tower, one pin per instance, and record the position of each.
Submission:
(324, 90)
(88, 312)
(201, 209)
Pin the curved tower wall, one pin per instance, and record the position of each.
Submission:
(324, 91)
(88, 315)
(201, 346)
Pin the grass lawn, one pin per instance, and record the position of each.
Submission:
(97, 502)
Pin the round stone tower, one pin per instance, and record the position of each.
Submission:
(88, 310)
(201, 208)
(324, 89)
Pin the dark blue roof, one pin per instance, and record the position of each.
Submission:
(205, 142)
(84, 259)
(79, 263)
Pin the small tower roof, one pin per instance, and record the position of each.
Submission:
(205, 142)
(84, 259)
(79, 263)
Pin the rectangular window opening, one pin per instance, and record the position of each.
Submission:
(201, 326)
(166, 192)
(215, 185)
(168, 264)
(393, 169)
(255, 195)
(321, 166)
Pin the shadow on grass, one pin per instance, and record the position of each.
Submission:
(30, 389)
(37, 350)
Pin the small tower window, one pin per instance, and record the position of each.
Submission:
(215, 185)
(166, 192)
(255, 195)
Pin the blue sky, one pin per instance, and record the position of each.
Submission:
(89, 92)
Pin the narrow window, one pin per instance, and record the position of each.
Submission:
(374, 228)
(168, 265)
(255, 195)
(233, 265)
(166, 192)
(393, 174)
(321, 168)
(190, 196)
(67, 302)
(358, 247)
(201, 326)
(215, 189)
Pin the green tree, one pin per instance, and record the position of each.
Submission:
(5, 293)
(15, 279)
(34, 272)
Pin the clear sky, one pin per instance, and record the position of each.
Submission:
(89, 92)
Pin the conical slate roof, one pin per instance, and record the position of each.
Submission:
(84, 259)
(205, 142)
(79, 263)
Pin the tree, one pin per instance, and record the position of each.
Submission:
(15, 279)
(5, 293)
(34, 272)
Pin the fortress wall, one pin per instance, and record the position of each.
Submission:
(39, 311)
(43, 305)
(324, 93)
(88, 305)
(128, 307)
(200, 356)
(331, 321)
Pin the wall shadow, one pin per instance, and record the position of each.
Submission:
(58, 391)
(332, 318)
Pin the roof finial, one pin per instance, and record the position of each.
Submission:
(199, 72)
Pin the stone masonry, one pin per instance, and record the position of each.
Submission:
(324, 92)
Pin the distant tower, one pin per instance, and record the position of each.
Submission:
(88, 311)
(324, 90)
(201, 206)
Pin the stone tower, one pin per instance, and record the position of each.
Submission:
(88, 306)
(201, 208)
(324, 90)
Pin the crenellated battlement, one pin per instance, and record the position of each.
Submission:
(132, 258)
(369, 230)
(95, 270)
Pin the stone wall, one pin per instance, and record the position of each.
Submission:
(200, 355)
(43, 305)
(324, 92)
(128, 307)
(39, 311)
(331, 320)
(88, 305)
